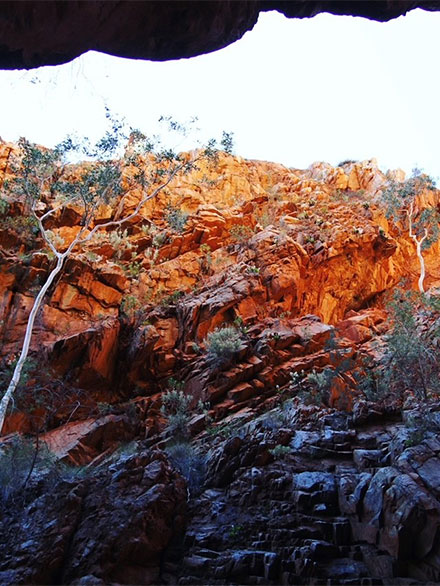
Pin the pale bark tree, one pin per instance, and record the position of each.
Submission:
(418, 242)
(43, 180)
(402, 199)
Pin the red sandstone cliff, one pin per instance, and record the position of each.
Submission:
(295, 259)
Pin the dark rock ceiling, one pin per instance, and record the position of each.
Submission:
(50, 32)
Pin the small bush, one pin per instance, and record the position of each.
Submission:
(179, 407)
(280, 452)
(419, 426)
(4, 206)
(133, 269)
(119, 241)
(318, 386)
(252, 270)
(373, 383)
(240, 233)
(235, 533)
(176, 406)
(176, 219)
(222, 344)
(129, 305)
(411, 360)
(20, 459)
(172, 299)
(190, 463)
(16, 460)
(159, 239)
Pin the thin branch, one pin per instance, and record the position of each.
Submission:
(48, 213)
(137, 209)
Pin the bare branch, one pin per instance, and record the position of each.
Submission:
(48, 213)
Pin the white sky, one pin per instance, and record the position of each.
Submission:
(292, 91)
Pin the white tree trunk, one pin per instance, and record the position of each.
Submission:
(422, 264)
(418, 243)
(4, 403)
(78, 240)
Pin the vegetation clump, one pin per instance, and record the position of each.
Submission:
(190, 463)
(411, 360)
(402, 203)
(176, 218)
(222, 344)
(179, 407)
(240, 233)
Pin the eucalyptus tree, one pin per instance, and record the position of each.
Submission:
(404, 205)
(44, 183)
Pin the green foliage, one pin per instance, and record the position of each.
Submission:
(172, 298)
(280, 452)
(129, 305)
(227, 142)
(409, 351)
(420, 426)
(235, 533)
(252, 269)
(134, 269)
(176, 218)
(240, 233)
(92, 256)
(176, 407)
(20, 459)
(398, 197)
(118, 239)
(190, 463)
(179, 408)
(104, 408)
(411, 360)
(223, 430)
(25, 226)
(239, 324)
(319, 384)
(316, 386)
(30, 366)
(175, 385)
(222, 344)
(372, 382)
(267, 218)
(159, 239)
(4, 207)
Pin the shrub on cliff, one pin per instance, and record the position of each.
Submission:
(176, 408)
(190, 463)
(411, 360)
(408, 360)
(22, 460)
(222, 344)
(179, 407)
(176, 218)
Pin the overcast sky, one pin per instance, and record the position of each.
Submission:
(293, 91)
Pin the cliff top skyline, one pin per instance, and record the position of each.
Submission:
(293, 91)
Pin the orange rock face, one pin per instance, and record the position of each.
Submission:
(248, 242)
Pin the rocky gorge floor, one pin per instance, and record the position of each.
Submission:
(276, 480)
